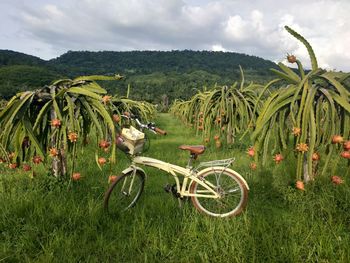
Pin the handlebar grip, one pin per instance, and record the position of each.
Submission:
(160, 131)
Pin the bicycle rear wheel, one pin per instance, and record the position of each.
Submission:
(232, 189)
(124, 192)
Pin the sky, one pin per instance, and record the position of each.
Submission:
(49, 28)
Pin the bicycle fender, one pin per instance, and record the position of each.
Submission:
(130, 169)
(226, 169)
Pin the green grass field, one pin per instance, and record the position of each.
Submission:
(42, 220)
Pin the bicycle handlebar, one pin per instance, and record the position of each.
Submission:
(150, 126)
(160, 131)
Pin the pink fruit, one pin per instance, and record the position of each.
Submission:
(345, 154)
(346, 146)
(336, 180)
(26, 167)
(112, 178)
(300, 185)
(37, 159)
(278, 158)
(251, 152)
(76, 176)
(253, 166)
(102, 161)
(315, 156)
(337, 139)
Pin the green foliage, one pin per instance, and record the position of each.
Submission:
(150, 73)
(144, 110)
(17, 78)
(11, 58)
(317, 103)
(221, 110)
(27, 120)
(175, 73)
(45, 220)
(151, 87)
(4, 157)
(148, 62)
(3, 103)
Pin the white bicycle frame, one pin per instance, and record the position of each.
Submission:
(190, 176)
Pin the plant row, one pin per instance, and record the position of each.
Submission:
(52, 124)
(304, 112)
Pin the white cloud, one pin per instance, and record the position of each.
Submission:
(257, 20)
(236, 28)
(50, 27)
(53, 11)
(218, 47)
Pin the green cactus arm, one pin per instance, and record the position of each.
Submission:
(284, 76)
(343, 102)
(313, 59)
(242, 77)
(289, 72)
(301, 69)
(98, 77)
(329, 76)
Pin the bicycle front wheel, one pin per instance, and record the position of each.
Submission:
(231, 188)
(124, 192)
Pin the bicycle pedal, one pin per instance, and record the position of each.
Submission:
(167, 188)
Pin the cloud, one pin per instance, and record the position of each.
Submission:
(218, 47)
(49, 28)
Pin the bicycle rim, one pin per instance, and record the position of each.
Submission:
(124, 192)
(234, 194)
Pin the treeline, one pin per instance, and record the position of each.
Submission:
(151, 74)
(18, 78)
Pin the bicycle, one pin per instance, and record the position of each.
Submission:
(215, 190)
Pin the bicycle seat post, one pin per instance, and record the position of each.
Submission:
(192, 158)
(195, 150)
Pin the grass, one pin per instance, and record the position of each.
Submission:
(43, 220)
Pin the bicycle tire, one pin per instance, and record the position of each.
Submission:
(117, 199)
(234, 193)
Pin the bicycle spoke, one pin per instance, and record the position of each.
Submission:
(230, 189)
(124, 193)
(233, 190)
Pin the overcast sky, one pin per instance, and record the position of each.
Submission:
(49, 28)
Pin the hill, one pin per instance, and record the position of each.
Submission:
(16, 78)
(10, 58)
(151, 74)
(147, 62)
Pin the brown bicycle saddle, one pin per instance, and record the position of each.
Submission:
(194, 149)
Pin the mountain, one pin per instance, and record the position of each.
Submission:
(147, 62)
(151, 74)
